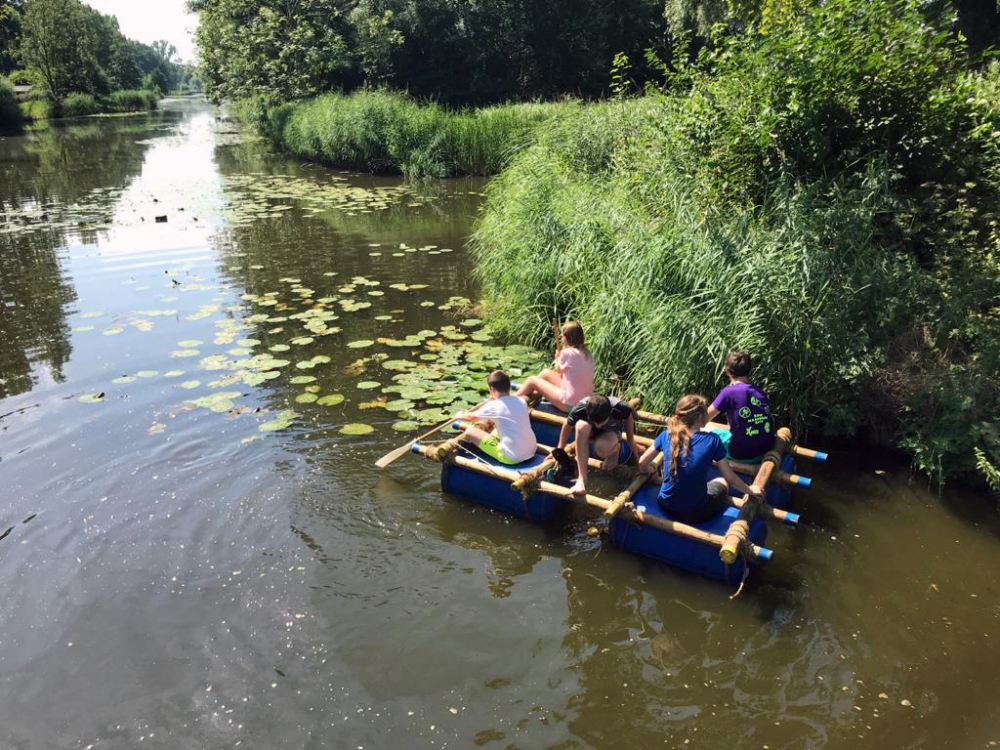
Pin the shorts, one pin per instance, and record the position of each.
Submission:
(716, 500)
(490, 445)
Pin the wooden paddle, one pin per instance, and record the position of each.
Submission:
(392, 455)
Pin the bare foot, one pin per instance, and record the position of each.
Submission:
(578, 488)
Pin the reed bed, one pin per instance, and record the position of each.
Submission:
(676, 227)
(380, 131)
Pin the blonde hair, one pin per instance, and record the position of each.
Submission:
(572, 335)
(689, 411)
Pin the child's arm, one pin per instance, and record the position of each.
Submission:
(564, 434)
(646, 459)
(712, 412)
(630, 433)
(734, 480)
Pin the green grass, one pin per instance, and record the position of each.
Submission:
(379, 131)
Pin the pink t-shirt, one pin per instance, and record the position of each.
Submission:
(577, 371)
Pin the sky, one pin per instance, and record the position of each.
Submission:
(149, 20)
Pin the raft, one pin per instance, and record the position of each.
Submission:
(643, 530)
(726, 548)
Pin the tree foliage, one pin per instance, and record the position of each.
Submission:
(455, 51)
(76, 49)
(275, 48)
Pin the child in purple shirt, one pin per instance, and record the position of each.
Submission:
(747, 410)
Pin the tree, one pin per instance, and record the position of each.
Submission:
(11, 15)
(281, 49)
(57, 42)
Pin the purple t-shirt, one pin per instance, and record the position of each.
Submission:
(687, 492)
(749, 416)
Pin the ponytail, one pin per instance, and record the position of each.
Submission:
(689, 411)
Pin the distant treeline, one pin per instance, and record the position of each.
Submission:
(454, 52)
(63, 47)
(469, 52)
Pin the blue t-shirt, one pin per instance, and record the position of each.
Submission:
(686, 492)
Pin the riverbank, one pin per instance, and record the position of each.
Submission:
(82, 105)
(390, 133)
(842, 233)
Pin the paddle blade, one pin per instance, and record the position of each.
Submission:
(392, 455)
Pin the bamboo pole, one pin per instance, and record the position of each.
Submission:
(739, 530)
(800, 452)
(626, 495)
(782, 478)
(759, 553)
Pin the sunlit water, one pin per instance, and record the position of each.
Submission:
(176, 577)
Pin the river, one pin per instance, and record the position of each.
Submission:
(197, 551)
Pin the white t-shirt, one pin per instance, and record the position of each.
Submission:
(510, 415)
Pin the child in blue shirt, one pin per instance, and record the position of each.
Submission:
(686, 494)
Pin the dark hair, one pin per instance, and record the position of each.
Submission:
(738, 364)
(572, 335)
(499, 381)
(598, 409)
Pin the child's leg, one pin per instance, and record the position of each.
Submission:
(606, 448)
(583, 432)
(473, 435)
(544, 385)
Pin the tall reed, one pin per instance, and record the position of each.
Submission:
(380, 131)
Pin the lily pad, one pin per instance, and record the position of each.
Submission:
(360, 344)
(356, 429)
(406, 426)
(280, 348)
(123, 379)
(189, 384)
(147, 373)
(189, 343)
(302, 379)
(367, 385)
(281, 421)
(183, 353)
(332, 400)
(306, 398)
(218, 402)
(91, 398)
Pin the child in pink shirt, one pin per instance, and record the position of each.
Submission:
(572, 380)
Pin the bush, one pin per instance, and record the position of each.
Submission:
(34, 109)
(378, 131)
(78, 105)
(826, 197)
(11, 119)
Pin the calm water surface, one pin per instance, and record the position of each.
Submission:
(175, 577)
